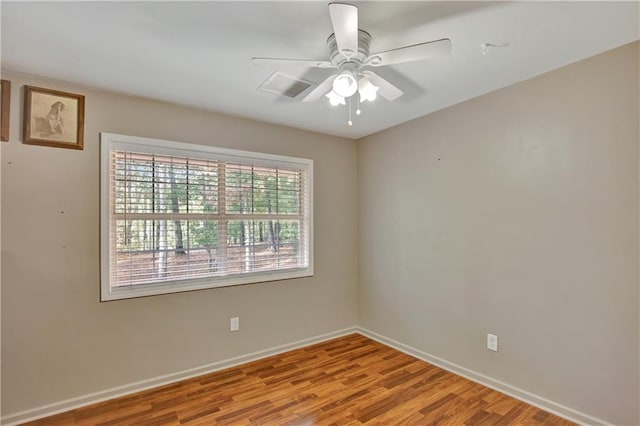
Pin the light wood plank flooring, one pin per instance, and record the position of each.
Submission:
(351, 380)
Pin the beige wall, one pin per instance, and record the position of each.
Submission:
(515, 213)
(58, 341)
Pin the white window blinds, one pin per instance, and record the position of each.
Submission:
(182, 217)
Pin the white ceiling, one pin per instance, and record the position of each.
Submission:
(198, 53)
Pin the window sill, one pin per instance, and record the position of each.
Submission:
(169, 287)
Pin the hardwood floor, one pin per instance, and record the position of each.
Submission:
(351, 380)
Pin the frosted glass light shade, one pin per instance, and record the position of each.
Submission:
(368, 91)
(345, 84)
(335, 99)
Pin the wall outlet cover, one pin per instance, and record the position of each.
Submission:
(234, 324)
(492, 342)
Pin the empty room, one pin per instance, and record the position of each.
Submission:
(316, 213)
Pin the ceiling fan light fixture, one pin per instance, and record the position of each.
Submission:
(350, 56)
(368, 91)
(345, 84)
(335, 99)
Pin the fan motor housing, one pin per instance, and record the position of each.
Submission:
(338, 59)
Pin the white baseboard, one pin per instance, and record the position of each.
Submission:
(522, 395)
(92, 398)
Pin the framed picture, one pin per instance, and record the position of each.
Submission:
(53, 118)
(5, 104)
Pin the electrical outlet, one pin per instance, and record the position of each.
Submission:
(234, 324)
(492, 342)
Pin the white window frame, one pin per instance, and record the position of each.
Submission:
(110, 142)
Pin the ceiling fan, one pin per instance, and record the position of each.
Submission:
(349, 54)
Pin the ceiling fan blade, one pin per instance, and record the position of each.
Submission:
(386, 89)
(292, 62)
(416, 52)
(320, 90)
(344, 18)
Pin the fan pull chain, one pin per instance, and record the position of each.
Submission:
(358, 112)
(350, 123)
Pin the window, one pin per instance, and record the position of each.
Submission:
(178, 217)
